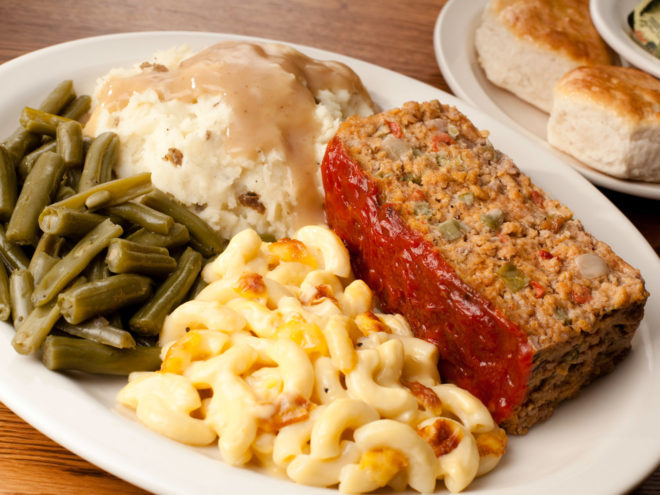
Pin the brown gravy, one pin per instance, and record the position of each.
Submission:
(271, 90)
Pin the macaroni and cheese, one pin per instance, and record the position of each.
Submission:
(283, 360)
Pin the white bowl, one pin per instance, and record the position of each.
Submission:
(610, 17)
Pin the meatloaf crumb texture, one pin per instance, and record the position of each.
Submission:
(505, 238)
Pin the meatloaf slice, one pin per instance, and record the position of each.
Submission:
(525, 306)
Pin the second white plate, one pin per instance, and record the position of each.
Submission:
(453, 40)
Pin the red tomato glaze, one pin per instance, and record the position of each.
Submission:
(480, 350)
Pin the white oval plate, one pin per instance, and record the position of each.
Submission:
(610, 17)
(453, 40)
(603, 442)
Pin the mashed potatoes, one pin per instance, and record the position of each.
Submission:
(236, 131)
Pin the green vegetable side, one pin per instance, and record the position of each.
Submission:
(90, 265)
(644, 21)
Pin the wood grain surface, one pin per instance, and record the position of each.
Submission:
(391, 33)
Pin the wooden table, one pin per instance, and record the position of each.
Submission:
(391, 33)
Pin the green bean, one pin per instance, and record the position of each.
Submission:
(99, 330)
(178, 236)
(69, 141)
(126, 256)
(143, 216)
(70, 353)
(103, 296)
(266, 237)
(40, 265)
(68, 222)
(96, 204)
(129, 228)
(202, 237)
(115, 320)
(58, 98)
(120, 191)
(98, 199)
(23, 141)
(97, 269)
(20, 143)
(8, 188)
(5, 300)
(197, 287)
(77, 108)
(40, 122)
(64, 192)
(28, 161)
(21, 285)
(101, 157)
(148, 320)
(39, 188)
(11, 255)
(75, 261)
(50, 244)
(45, 255)
(72, 177)
(35, 328)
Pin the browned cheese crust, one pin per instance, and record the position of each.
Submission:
(434, 166)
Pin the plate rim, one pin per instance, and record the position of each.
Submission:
(132, 473)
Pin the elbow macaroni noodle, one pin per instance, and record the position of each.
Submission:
(282, 361)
